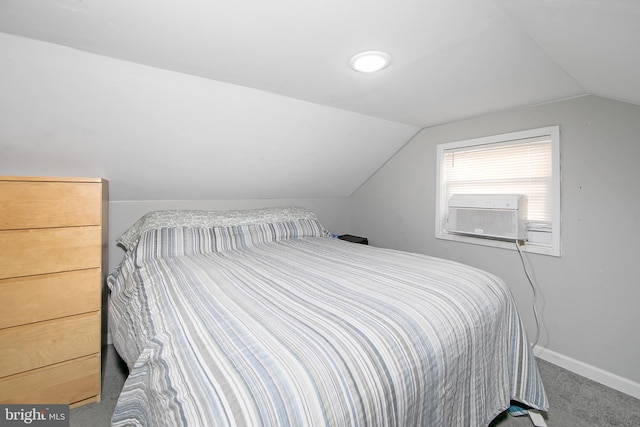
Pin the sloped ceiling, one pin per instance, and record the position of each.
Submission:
(596, 42)
(252, 99)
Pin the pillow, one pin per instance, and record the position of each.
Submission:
(200, 218)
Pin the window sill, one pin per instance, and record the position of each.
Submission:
(529, 246)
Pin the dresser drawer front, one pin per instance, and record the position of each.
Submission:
(49, 250)
(64, 383)
(27, 347)
(49, 204)
(48, 296)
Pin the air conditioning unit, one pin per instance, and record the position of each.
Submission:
(491, 216)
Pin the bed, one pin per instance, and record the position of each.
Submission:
(263, 318)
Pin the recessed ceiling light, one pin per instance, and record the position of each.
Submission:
(370, 61)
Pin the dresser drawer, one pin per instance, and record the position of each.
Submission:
(67, 382)
(49, 250)
(27, 347)
(49, 296)
(25, 204)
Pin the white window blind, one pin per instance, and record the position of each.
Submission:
(523, 162)
(510, 167)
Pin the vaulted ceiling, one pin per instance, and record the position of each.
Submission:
(451, 59)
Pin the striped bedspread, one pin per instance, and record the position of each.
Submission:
(282, 325)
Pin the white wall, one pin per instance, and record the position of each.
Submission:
(161, 135)
(589, 298)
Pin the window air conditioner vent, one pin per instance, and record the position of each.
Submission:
(491, 216)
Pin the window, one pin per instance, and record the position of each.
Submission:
(526, 162)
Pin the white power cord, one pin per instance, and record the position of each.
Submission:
(535, 295)
(536, 418)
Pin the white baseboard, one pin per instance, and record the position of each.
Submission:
(596, 374)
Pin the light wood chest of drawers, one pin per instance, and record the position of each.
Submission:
(52, 258)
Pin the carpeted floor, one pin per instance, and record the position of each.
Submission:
(575, 400)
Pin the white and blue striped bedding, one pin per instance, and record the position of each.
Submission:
(281, 325)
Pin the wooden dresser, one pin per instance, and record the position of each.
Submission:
(52, 258)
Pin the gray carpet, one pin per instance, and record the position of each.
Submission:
(575, 400)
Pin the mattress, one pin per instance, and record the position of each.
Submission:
(266, 319)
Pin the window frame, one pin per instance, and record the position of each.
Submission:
(441, 212)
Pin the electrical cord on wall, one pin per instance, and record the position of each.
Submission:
(535, 296)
